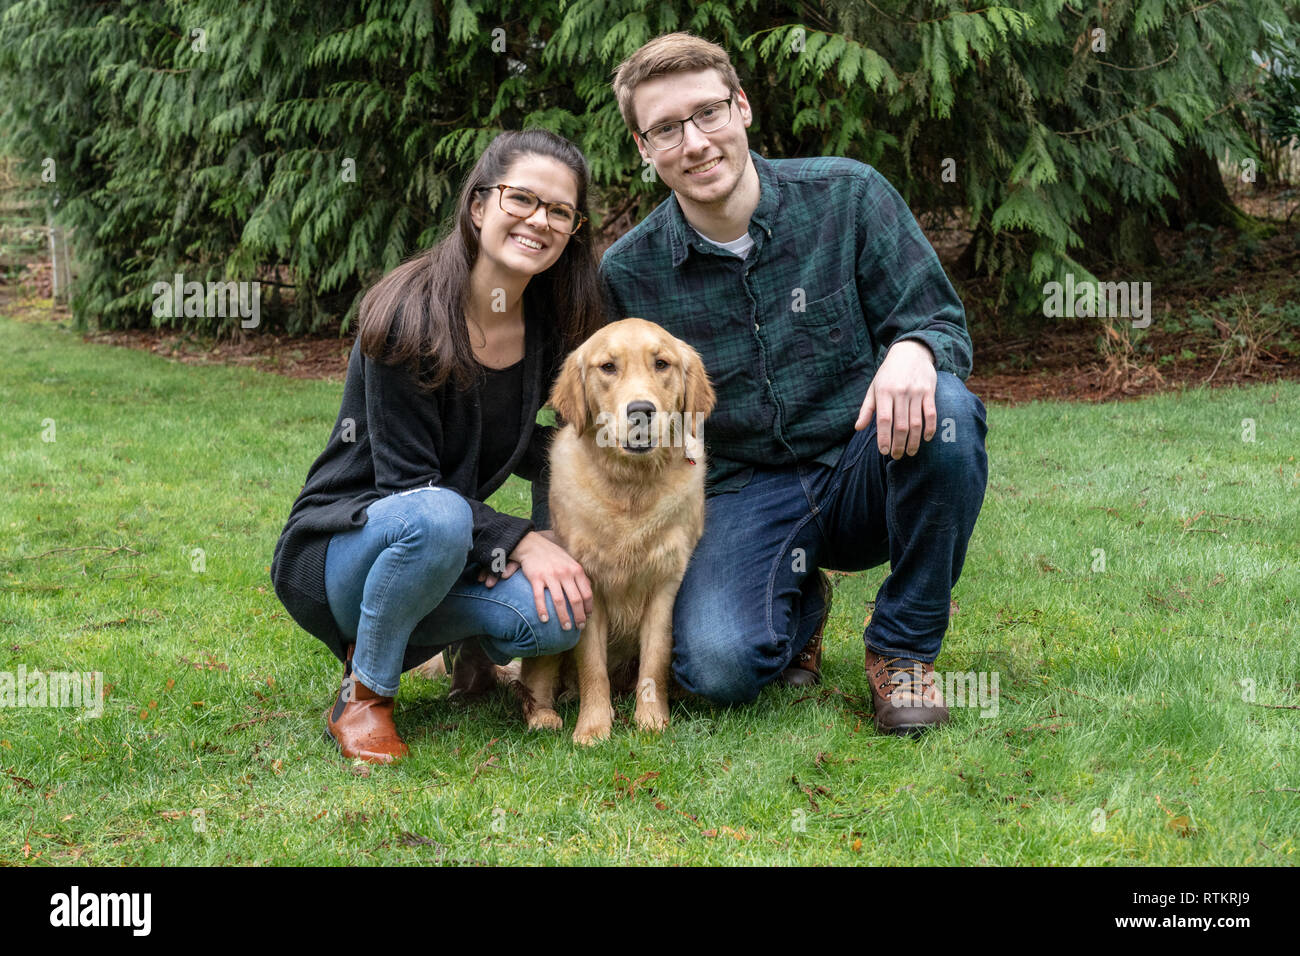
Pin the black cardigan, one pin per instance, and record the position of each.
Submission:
(390, 437)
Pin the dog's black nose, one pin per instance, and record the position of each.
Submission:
(640, 418)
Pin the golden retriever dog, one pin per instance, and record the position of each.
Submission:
(627, 502)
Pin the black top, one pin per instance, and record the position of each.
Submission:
(390, 437)
(500, 399)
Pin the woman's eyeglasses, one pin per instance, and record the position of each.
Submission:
(522, 203)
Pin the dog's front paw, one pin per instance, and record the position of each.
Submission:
(545, 719)
(651, 716)
(590, 732)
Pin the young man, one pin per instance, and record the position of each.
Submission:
(814, 300)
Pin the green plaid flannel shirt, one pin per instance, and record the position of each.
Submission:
(792, 335)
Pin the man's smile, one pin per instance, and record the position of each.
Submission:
(703, 167)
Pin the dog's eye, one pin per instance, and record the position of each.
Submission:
(660, 365)
(607, 367)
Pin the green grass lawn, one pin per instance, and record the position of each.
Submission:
(1148, 707)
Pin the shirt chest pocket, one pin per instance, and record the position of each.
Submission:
(830, 334)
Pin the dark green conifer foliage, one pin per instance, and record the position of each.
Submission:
(318, 144)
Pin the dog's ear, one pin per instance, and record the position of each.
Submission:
(569, 396)
(699, 395)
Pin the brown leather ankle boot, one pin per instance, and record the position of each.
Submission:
(805, 669)
(361, 721)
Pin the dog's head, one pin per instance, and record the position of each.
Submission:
(638, 387)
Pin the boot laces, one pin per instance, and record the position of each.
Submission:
(903, 672)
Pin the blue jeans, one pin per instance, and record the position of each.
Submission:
(403, 577)
(750, 599)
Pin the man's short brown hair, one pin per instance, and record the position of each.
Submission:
(670, 53)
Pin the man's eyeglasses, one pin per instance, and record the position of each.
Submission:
(522, 203)
(707, 119)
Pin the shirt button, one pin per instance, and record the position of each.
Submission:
(755, 326)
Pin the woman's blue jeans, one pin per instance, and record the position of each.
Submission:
(404, 577)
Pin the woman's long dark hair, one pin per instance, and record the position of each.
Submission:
(415, 315)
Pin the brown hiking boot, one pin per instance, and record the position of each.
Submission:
(361, 721)
(906, 698)
(472, 672)
(806, 668)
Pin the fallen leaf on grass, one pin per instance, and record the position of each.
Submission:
(810, 791)
(208, 663)
(633, 785)
(257, 720)
(414, 839)
(1180, 824)
(740, 834)
(489, 764)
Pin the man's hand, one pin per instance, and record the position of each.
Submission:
(902, 398)
(547, 566)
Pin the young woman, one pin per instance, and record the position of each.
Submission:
(389, 553)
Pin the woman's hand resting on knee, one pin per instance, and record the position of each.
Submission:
(548, 567)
